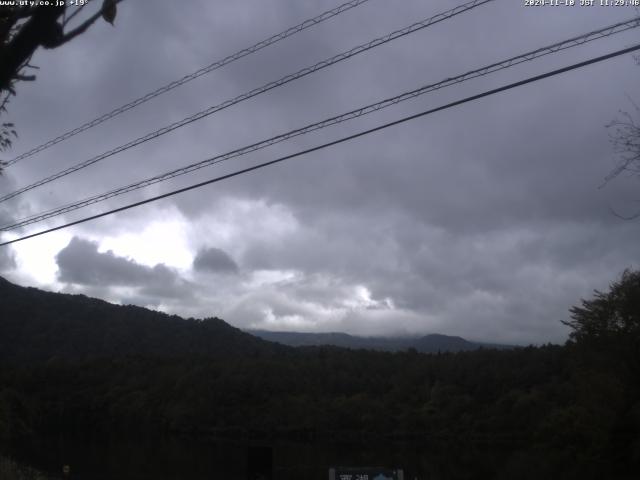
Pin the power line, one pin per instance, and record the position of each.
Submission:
(257, 91)
(563, 45)
(192, 76)
(336, 142)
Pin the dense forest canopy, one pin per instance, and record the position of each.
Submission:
(573, 409)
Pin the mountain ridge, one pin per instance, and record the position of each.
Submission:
(430, 343)
(36, 325)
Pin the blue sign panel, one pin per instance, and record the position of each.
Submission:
(366, 473)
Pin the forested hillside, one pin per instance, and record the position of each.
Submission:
(40, 326)
(572, 409)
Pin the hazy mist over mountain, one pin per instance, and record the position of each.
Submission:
(432, 343)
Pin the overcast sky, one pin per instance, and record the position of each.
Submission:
(484, 220)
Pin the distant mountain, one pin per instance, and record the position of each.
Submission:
(433, 343)
(37, 326)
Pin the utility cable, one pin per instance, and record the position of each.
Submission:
(257, 91)
(192, 76)
(563, 45)
(335, 142)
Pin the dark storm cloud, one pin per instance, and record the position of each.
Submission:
(484, 220)
(214, 260)
(81, 263)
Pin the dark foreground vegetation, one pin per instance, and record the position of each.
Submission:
(10, 470)
(78, 365)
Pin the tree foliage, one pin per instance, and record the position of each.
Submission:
(27, 26)
(609, 315)
(625, 138)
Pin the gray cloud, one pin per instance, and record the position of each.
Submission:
(81, 263)
(214, 260)
(7, 259)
